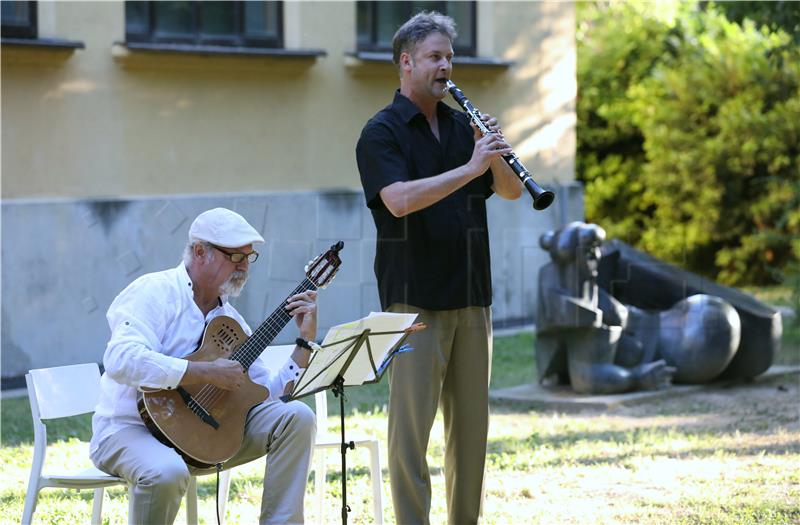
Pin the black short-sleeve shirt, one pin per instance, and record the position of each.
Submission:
(436, 258)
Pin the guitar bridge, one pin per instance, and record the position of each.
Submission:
(197, 408)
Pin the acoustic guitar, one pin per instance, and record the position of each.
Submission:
(204, 423)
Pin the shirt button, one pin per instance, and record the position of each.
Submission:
(296, 374)
(291, 367)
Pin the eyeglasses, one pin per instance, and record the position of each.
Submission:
(236, 258)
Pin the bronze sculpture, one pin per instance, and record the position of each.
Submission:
(612, 319)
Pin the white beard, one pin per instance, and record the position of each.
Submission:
(233, 286)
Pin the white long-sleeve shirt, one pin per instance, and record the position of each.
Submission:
(155, 323)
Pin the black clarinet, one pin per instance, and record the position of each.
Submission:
(541, 197)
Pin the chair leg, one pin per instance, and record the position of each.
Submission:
(319, 484)
(376, 475)
(97, 506)
(191, 501)
(130, 499)
(31, 496)
(224, 489)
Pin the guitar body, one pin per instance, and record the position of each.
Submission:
(203, 423)
(171, 421)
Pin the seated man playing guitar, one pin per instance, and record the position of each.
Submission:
(156, 323)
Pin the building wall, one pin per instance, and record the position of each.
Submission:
(108, 154)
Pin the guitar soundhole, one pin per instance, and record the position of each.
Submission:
(226, 338)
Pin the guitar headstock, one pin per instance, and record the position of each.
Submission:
(323, 268)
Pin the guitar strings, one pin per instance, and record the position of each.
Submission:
(247, 353)
(209, 394)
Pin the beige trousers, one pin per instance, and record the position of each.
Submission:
(449, 367)
(159, 476)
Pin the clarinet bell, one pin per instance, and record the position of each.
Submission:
(541, 198)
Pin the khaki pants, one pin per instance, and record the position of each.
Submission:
(449, 367)
(159, 476)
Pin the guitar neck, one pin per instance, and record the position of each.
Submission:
(269, 329)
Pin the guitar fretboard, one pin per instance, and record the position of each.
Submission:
(269, 329)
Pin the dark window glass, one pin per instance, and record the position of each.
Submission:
(262, 20)
(388, 17)
(218, 19)
(466, 33)
(364, 16)
(377, 22)
(136, 17)
(173, 20)
(18, 19)
(250, 23)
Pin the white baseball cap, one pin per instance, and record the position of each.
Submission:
(224, 228)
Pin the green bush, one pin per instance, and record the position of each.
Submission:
(689, 137)
(775, 14)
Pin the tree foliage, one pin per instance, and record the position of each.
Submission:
(775, 14)
(689, 136)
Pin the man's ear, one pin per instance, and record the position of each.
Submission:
(406, 62)
(199, 251)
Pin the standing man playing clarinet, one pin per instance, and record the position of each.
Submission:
(426, 175)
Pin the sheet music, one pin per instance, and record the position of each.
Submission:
(340, 338)
(360, 370)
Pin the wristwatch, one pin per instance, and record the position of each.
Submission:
(302, 343)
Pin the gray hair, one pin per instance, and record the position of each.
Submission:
(188, 251)
(417, 29)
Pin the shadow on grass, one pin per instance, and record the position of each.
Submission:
(741, 511)
(241, 484)
(11, 498)
(651, 442)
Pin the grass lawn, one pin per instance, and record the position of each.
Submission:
(728, 455)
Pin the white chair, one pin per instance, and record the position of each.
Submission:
(275, 357)
(70, 391)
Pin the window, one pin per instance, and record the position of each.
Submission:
(235, 24)
(19, 19)
(377, 22)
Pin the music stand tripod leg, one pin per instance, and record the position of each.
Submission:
(338, 391)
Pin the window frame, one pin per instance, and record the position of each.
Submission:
(28, 31)
(198, 39)
(373, 47)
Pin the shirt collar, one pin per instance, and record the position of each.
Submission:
(186, 284)
(184, 279)
(408, 110)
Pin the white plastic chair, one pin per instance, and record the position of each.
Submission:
(70, 391)
(275, 356)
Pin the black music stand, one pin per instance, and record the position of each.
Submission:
(341, 363)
